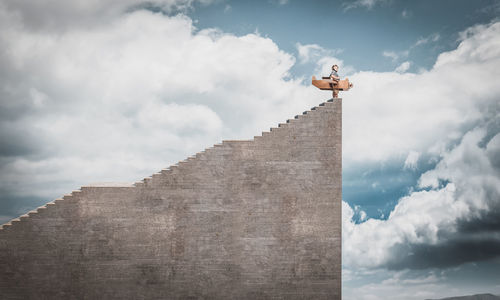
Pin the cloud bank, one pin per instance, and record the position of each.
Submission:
(450, 114)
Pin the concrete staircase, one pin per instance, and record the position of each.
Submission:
(243, 219)
(186, 165)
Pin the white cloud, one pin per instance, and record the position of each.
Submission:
(460, 202)
(410, 217)
(395, 56)
(431, 38)
(314, 52)
(457, 203)
(324, 66)
(474, 170)
(414, 285)
(396, 113)
(391, 54)
(481, 46)
(119, 101)
(309, 51)
(412, 160)
(403, 67)
(362, 216)
(323, 58)
(431, 217)
(368, 4)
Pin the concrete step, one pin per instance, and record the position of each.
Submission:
(66, 199)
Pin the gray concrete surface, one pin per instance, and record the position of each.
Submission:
(257, 219)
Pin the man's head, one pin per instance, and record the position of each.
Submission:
(335, 68)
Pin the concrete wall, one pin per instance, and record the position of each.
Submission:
(258, 219)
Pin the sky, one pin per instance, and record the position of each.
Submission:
(94, 91)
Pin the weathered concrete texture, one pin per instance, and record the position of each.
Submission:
(258, 219)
